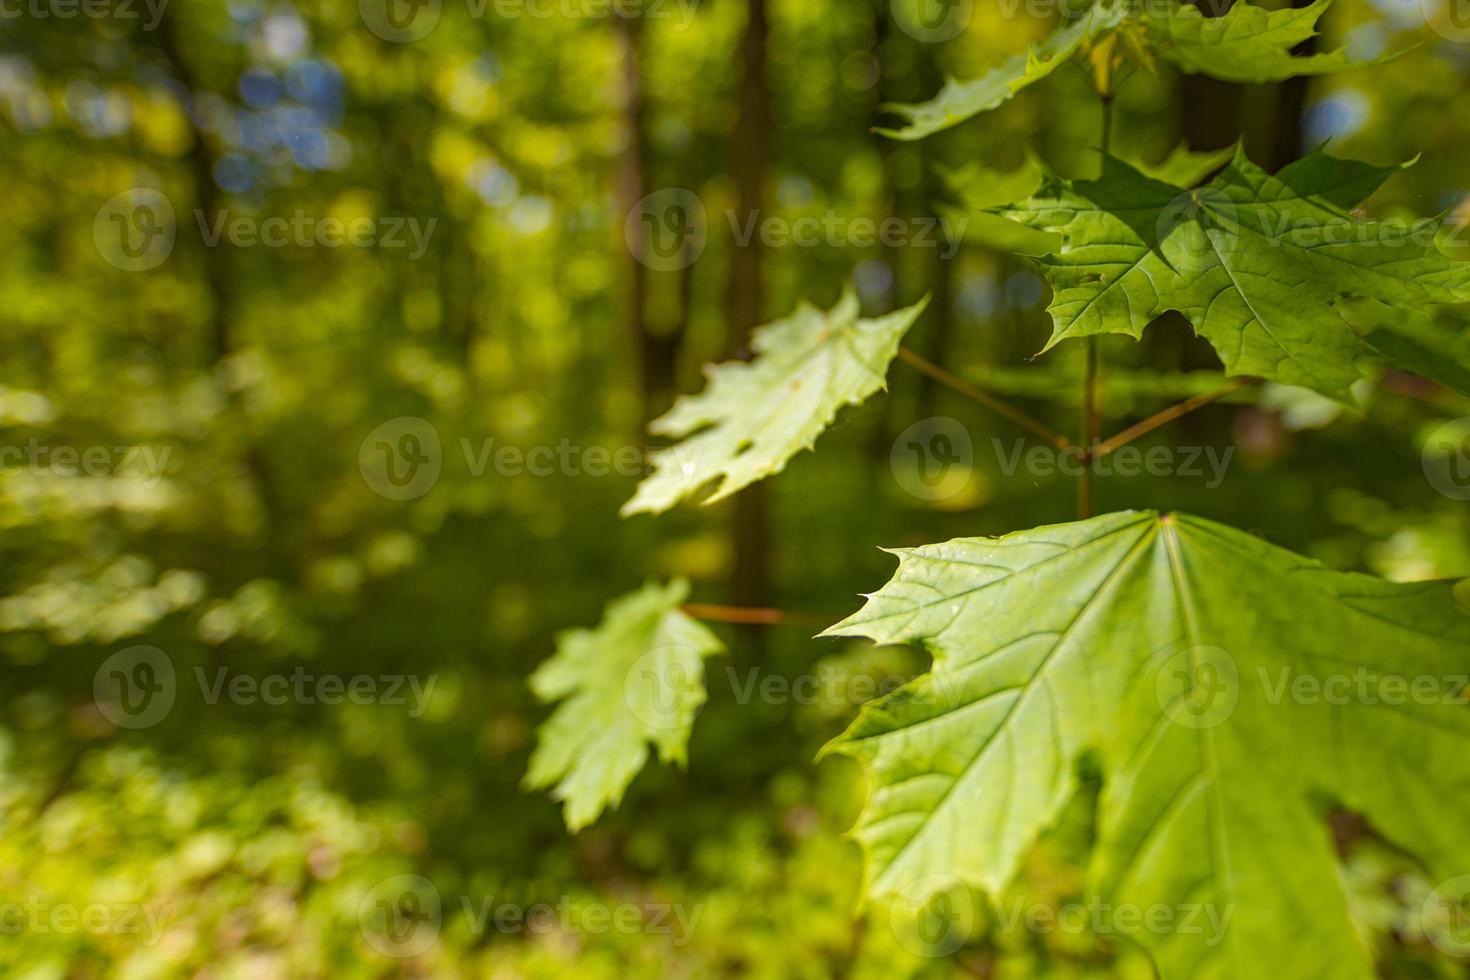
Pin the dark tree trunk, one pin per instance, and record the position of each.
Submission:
(1285, 144)
(224, 302)
(656, 350)
(750, 159)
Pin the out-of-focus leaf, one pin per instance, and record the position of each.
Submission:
(959, 101)
(753, 417)
(1246, 44)
(634, 681)
(979, 187)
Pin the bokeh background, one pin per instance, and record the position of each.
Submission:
(232, 514)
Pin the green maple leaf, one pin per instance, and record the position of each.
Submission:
(754, 417)
(1246, 44)
(1259, 263)
(634, 681)
(985, 188)
(982, 189)
(959, 101)
(1165, 651)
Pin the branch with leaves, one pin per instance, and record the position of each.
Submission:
(1149, 643)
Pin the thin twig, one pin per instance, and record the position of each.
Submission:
(751, 615)
(1168, 415)
(1009, 411)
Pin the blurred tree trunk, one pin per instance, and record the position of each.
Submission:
(1214, 112)
(924, 200)
(224, 301)
(882, 435)
(1285, 144)
(750, 155)
(656, 351)
(941, 318)
(882, 38)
